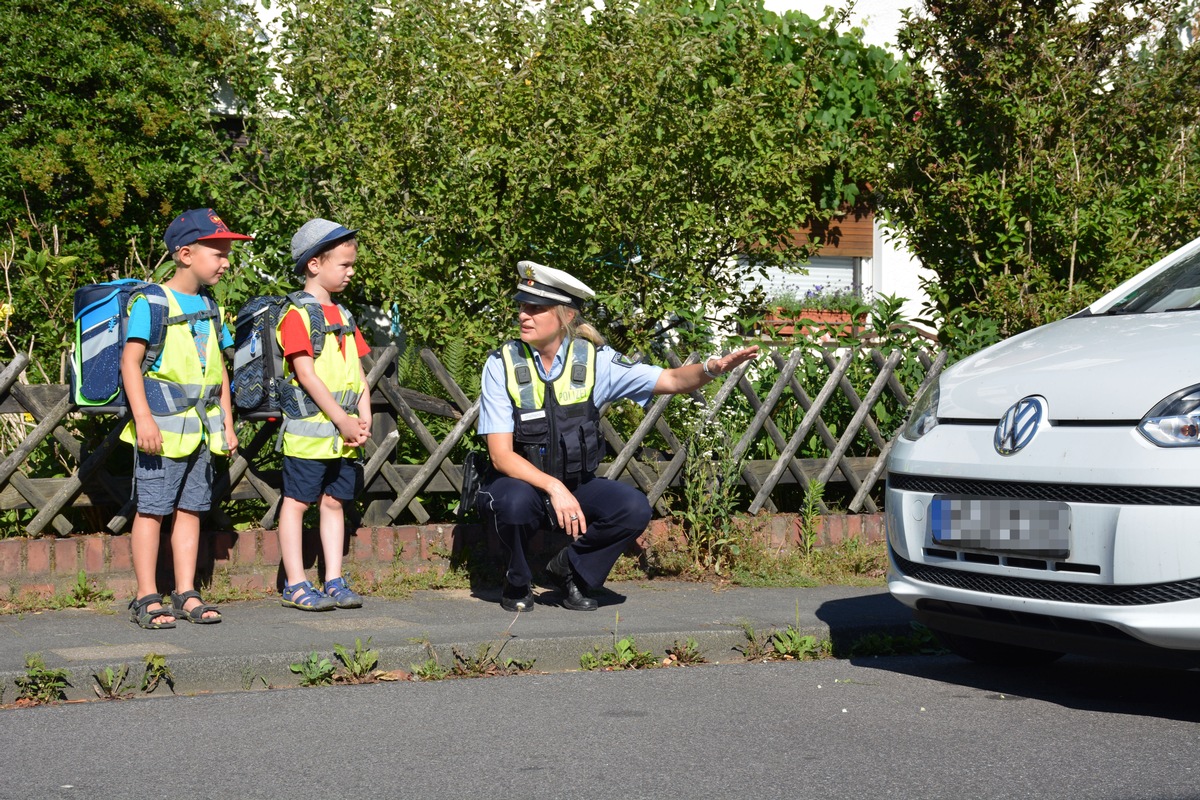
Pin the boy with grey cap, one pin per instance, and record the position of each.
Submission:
(327, 416)
(539, 413)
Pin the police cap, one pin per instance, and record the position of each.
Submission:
(547, 286)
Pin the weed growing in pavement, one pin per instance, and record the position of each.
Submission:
(792, 645)
(709, 501)
(359, 666)
(41, 684)
(685, 654)
(85, 593)
(250, 677)
(156, 672)
(756, 648)
(624, 655)
(920, 641)
(487, 664)
(810, 516)
(110, 683)
(430, 669)
(314, 670)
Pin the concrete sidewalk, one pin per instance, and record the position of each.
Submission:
(258, 640)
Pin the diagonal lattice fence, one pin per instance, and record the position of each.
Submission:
(798, 416)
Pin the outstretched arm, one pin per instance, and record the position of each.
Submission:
(692, 376)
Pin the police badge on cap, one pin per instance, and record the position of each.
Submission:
(546, 286)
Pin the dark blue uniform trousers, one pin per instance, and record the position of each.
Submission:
(616, 514)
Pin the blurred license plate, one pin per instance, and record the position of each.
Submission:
(1036, 527)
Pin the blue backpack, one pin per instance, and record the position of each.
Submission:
(101, 326)
(258, 382)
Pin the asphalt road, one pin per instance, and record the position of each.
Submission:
(922, 727)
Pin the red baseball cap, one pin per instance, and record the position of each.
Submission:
(197, 225)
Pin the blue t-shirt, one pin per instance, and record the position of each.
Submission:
(139, 324)
(616, 378)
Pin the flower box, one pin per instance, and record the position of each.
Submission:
(817, 322)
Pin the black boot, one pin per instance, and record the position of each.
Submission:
(574, 595)
(516, 598)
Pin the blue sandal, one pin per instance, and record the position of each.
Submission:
(303, 596)
(342, 595)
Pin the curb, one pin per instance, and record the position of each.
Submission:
(249, 560)
(219, 674)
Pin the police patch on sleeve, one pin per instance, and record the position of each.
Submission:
(622, 360)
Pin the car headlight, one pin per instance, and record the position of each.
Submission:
(1174, 422)
(923, 418)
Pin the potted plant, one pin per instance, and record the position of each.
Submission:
(818, 311)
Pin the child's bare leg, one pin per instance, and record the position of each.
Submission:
(333, 535)
(291, 538)
(185, 549)
(144, 541)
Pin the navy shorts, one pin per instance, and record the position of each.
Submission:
(306, 479)
(165, 484)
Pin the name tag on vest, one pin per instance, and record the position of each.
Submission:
(530, 415)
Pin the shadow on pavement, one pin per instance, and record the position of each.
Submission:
(1075, 682)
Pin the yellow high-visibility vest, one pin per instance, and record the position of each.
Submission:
(185, 397)
(312, 434)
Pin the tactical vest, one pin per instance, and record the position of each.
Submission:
(556, 424)
(307, 432)
(185, 398)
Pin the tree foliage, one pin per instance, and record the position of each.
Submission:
(1046, 152)
(642, 146)
(107, 127)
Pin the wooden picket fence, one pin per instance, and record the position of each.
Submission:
(38, 418)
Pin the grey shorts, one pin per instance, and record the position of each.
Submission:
(166, 484)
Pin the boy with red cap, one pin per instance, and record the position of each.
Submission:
(180, 415)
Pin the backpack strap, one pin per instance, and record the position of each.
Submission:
(345, 328)
(157, 296)
(316, 319)
(156, 300)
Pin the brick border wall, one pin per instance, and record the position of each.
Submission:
(249, 559)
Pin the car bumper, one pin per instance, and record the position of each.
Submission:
(1130, 579)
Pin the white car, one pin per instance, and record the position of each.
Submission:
(1044, 497)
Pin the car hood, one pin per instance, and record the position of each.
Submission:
(1097, 368)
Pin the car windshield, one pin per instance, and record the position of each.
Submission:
(1174, 289)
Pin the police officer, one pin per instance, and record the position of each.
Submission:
(539, 413)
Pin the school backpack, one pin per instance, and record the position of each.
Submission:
(257, 358)
(101, 325)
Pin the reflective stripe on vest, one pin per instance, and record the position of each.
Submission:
(313, 435)
(574, 385)
(558, 434)
(185, 398)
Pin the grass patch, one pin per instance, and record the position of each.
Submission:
(220, 590)
(852, 562)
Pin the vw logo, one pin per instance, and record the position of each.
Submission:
(1019, 425)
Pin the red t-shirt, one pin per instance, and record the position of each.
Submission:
(294, 339)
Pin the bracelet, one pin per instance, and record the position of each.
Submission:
(704, 366)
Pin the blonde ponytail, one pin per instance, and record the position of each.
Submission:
(575, 325)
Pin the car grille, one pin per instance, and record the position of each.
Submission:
(1039, 589)
(1062, 492)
